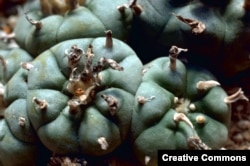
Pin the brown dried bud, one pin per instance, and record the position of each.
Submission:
(196, 143)
(74, 56)
(197, 26)
(112, 103)
(137, 9)
(37, 24)
(109, 40)
(40, 104)
(174, 51)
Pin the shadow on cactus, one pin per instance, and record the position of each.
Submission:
(179, 107)
(215, 33)
(81, 94)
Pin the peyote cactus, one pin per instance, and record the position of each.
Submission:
(39, 30)
(10, 61)
(18, 141)
(82, 102)
(215, 33)
(179, 107)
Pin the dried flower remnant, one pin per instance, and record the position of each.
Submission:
(83, 84)
(7, 38)
(142, 99)
(66, 161)
(27, 65)
(205, 85)
(109, 39)
(178, 117)
(40, 104)
(74, 56)
(37, 24)
(238, 95)
(136, 8)
(196, 143)
(21, 121)
(147, 159)
(103, 143)
(112, 103)
(50, 7)
(197, 26)
(182, 105)
(174, 51)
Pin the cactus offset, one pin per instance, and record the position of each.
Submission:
(189, 109)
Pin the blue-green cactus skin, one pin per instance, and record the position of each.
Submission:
(89, 20)
(64, 132)
(153, 122)
(18, 141)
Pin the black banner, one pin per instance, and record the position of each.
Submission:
(216, 157)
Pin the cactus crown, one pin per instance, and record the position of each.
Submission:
(84, 84)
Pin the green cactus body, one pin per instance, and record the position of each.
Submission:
(216, 34)
(17, 138)
(82, 102)
(175, 105)
(89, 20)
